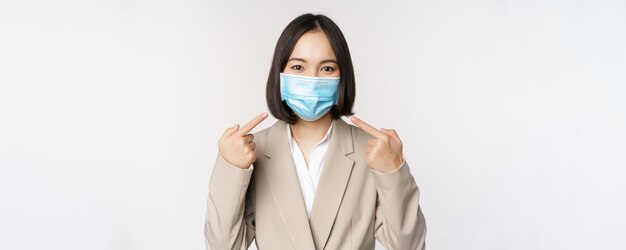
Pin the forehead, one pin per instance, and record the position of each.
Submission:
(313, 46)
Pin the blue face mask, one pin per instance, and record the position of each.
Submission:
(309, 97)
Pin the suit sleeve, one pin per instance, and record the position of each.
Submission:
(399, 220)
(229, 222)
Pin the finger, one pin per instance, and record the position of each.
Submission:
(366, 127)
(231, 130)
(252, 123)
(392, 133)
(254, 157)
(248, 138)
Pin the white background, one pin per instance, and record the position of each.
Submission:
(513, 115)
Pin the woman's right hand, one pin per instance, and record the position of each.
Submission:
(237, 147)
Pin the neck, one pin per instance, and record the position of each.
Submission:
(311, 130)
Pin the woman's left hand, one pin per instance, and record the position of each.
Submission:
(384, 151)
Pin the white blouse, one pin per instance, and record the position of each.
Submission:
(309, 176)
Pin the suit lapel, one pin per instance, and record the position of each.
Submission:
(283, 181)
(332, 183)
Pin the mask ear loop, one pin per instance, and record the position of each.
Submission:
(337, 99)
(280, 79)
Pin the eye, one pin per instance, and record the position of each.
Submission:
(296, 67)
(328, 69)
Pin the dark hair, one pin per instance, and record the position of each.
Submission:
(285, 45)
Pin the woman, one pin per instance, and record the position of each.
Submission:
(312, 181)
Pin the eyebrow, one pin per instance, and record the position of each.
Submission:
(322, 62)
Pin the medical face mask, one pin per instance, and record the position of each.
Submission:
(309, 97)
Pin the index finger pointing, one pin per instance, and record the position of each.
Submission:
(252, 123)
(367, 128)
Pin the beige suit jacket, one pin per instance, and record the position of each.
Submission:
(353, 205)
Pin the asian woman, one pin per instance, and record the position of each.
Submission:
(311, 180)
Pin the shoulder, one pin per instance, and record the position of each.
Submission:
(271, 134)
(359, 137)
(261, 135)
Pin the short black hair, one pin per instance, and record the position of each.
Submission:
(284, 47)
